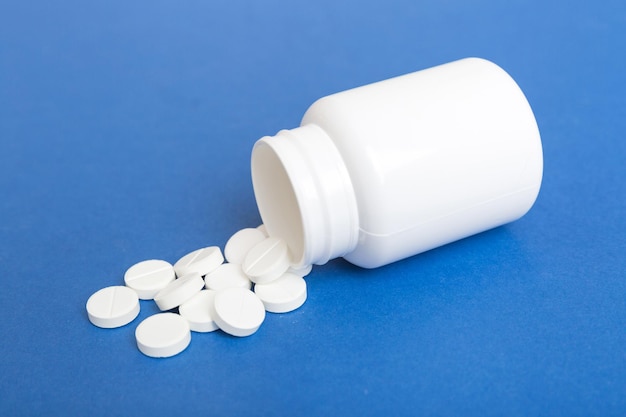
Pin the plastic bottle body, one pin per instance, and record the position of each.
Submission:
(414, 162)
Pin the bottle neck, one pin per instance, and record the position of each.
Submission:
(304, 194)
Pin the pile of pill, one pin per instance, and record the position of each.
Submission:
(208, 293)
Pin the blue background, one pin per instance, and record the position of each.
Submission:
(125, 134)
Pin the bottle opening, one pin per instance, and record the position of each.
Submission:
(304, 194)
(277, 201)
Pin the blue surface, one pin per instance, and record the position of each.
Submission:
(125, 134)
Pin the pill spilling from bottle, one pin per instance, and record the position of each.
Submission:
(203, 293)
(374, 174)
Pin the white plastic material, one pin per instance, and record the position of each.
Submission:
(197, 311)
(302, 271)
(179, 291)
(266, 261)
(149, 277)
(240, 244)
(112, 307)
(238, 311)
(385, 171)
(283, 295)
(163, 335)
(225, 276)
(263, 230)
(201, 261)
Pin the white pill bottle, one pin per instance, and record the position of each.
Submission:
(388, 170)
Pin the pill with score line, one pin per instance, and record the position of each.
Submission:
(179, 291)
(238, 311)
(112, 307)
(201, 261)
(266, 261)
(149, 277)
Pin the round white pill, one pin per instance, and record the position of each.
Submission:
(263, 229)
(240, 244)
(225, 276)
(197, 311)
(301, 272)
(113, 307)
(238, 311)
(163, 335)
(266, 261)
(149, 277)
(179, 291)
(201, 261)
(285, 294)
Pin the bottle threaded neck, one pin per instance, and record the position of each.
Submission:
(304, 194)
